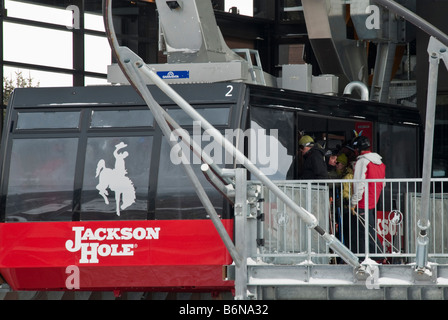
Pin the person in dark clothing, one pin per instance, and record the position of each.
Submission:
(331, 160)
(314, 165)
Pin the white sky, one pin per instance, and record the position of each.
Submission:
(53, 48)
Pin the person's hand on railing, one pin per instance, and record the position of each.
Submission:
(353, 210)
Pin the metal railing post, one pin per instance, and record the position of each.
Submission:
(436, 51)
(308, 207)
(241, 212)
(366, 220)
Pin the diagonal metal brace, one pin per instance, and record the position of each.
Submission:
(132, 64)
(436, 51)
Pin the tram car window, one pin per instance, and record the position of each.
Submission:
(40, 179)
(63, 159)
(440, 164)
(395, 131)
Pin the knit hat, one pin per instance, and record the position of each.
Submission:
(342, 158)
(306, 141)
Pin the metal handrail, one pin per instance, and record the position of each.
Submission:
(413, 18)
(399, 195)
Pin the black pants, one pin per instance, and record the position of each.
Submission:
(358, 228)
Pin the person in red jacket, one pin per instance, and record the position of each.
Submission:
(369, 165)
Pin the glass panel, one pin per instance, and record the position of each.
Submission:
(333, 134)
(272, 141)
(116, 168)
(40, 46)
(243, 7)
(122, 118)
(18, 78)
(265, 9)
(291, 54)
(40, 78)
(48, 120)
(98, 54)
(440, 155)
(91, 81)
(40, 13)
(41, 177)
(93, 22)
(216, 116)
(292, 11)
(176, 197)
(399, 151)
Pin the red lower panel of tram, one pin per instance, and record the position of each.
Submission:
(114, 255)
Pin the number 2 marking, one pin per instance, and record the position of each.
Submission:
(229, 93)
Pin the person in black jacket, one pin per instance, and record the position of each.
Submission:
(314, 165)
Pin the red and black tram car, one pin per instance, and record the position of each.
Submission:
(66, 154)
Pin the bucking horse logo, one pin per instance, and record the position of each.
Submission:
(116, 180)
